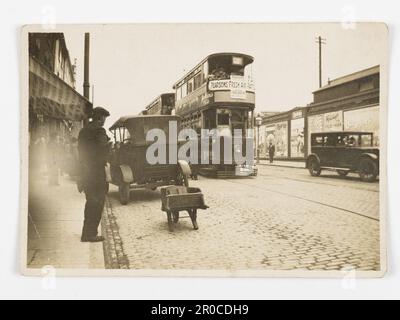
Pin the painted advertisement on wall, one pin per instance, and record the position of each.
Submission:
(326, 122)
(366, 119)
(263, 142)
(297, 138)
(333, 121)
(277, 134)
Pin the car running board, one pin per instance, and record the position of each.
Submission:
(335, 168)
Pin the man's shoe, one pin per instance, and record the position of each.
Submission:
(92, 239)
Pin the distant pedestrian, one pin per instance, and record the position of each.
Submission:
(38, 156)
(271, 152)
(72, 158)
(93, 154)
(53, 160)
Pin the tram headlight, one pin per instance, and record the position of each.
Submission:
(237, 148)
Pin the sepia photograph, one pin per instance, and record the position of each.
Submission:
(205, 149)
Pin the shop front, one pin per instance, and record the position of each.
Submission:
(297, 126)
(277, 134)
(286, 132)
(55, 108)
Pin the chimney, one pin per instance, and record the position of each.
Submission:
(86, 84)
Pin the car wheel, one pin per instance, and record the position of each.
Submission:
(368, 170)
(124, 193)
(181, 179)
(342, 173)
(313, 167)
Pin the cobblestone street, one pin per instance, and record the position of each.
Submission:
(281, 220)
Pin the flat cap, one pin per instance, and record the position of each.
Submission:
(100, 111)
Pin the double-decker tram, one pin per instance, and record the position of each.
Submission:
(162, 105)
(218, 94)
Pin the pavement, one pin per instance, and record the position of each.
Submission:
(284, 219)
(282, 163)
(54, 228)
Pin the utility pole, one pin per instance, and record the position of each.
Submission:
(320, 42)
(86, 85)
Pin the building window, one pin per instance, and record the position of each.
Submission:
(178, 93)
(197, 81)
(184, 90)
(190, 85)
(37, 43)
(58, 50)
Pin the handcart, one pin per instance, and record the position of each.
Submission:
(181, 198)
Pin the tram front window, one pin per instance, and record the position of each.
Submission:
(223, 119)
(223, 124)
(222, 67)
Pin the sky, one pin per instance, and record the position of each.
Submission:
(132, 64)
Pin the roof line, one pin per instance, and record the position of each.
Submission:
(331, 85)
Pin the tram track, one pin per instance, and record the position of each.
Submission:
(304, 199)
(315, 181)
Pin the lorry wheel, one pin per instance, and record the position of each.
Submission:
(342, 173)
(124, 192)
(313, 167)
(368, 170)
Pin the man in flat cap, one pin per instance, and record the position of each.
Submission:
(93, 152)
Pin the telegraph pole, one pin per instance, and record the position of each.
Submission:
(86, 85)
(320, 42)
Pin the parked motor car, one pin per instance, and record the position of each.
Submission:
(344, 152)
(129, 166)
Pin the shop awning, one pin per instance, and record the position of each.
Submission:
(50, 96)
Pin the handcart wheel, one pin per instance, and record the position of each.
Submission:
(175, 216)
(170, 222)
(193, 217)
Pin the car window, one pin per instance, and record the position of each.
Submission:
(330, 141)
(317, 141)
(341, 140)
(366, 140)
(352, 140)
(127, 135)
(118, 134)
